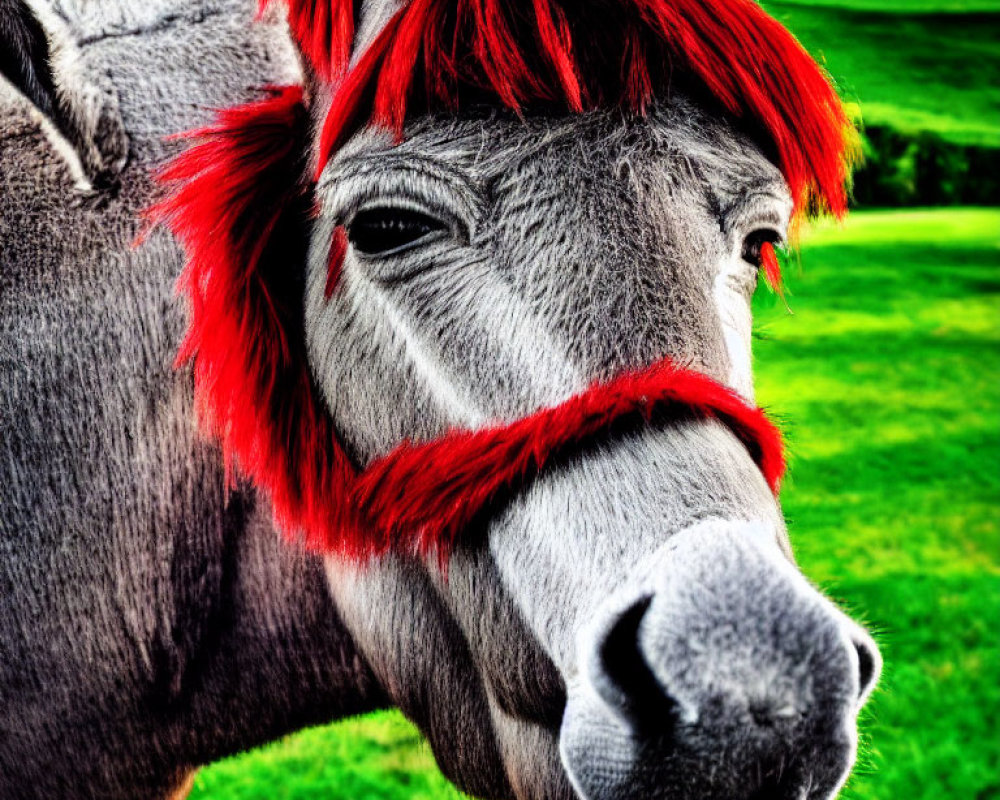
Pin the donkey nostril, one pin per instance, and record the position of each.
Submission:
(869, 664)
(624, 679)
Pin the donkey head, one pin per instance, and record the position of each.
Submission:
(494, 357)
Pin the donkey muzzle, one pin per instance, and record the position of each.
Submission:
(717, 673)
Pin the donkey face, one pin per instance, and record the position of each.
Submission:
(539, 218)
(630, 624)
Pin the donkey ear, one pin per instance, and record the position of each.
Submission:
(24, 55)
(322, 33)
(81, 118)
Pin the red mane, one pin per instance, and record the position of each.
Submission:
(324, 31)
(239, 206)
(587, 54)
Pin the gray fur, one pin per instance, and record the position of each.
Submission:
(575, 249)
(631, 625)
(148, 623)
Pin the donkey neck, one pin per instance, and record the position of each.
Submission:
(146, 619)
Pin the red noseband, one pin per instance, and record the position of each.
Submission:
(424, 495)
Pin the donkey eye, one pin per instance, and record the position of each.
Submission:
(755, 241)
(385, 231)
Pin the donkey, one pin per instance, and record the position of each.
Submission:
(149, 622)
(472, 307)
(532, 269)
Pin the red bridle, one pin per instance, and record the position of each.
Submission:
(424, 495)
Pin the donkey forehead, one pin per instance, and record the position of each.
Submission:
(614, 229)
(698, 154)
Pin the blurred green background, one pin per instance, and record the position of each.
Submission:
(887, 384)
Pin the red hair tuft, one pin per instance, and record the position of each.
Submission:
(239, 205)
(324, 30)
(732, 49)
(335, 260)
(770, 266)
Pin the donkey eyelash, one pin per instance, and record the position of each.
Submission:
(752, 247)
(383, 231)
(419, 185)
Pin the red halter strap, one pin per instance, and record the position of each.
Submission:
(422, 496)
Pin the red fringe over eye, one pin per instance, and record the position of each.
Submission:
(587, 54)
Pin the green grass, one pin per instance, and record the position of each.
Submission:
(368, 758)
(936, 70)
(886, 380)
(900, 6)
(887, 376)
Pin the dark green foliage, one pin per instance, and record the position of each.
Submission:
(924, 169)
(926, 86)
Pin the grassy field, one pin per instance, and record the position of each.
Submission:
(899, 6)
(930, 68)
(885, 380)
